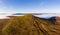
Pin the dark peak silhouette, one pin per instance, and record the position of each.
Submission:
(52, 19)
(18, 14)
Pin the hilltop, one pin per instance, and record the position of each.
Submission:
(30, 25)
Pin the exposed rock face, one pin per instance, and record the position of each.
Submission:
(30, 25)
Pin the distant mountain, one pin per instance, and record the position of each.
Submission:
(18, 14)
(30, 25)
(52, 19)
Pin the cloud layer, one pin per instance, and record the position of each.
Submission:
(38, 6)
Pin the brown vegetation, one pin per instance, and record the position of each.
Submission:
(58, 20)
(2, 23)
(29, 25)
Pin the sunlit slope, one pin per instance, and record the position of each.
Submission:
(2, 23)
(30, 25)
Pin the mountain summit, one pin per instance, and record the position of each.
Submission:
(30, 25)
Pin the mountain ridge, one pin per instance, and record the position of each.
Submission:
(30, 25)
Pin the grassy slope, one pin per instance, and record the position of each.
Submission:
(2, 23)
(30, 25)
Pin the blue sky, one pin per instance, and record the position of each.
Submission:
(29, 6)
(39, 6)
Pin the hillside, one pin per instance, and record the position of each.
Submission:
(2, 23)
(30, 25)
(58, 20)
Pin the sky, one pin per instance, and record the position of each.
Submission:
(29, 6)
